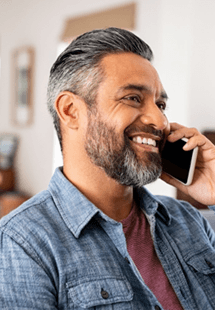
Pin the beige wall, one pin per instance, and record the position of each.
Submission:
(180, 32)
(38, 23)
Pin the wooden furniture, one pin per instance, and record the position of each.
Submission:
(9, 199)
(7, 180)
(181, 196)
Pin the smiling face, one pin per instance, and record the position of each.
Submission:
(127, 127)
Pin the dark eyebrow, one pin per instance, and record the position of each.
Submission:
(142, 88)
(163, 95)
(136, 87)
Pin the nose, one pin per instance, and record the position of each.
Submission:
(153, 116)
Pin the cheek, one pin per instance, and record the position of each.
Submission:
(83, 129)
(125, 118)
(119, 117)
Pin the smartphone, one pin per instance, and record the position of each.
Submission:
(178, 163)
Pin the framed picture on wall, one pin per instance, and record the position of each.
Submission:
(22, 101)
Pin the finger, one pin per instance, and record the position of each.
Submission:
(195, 141)
(195, 138)
(175, 126)
(183, 132)
(176, 132)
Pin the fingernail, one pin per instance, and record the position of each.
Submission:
(185, 147)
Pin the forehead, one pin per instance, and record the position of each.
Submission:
(128, 68)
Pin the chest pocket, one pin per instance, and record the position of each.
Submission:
(100, 293)
(203, 263)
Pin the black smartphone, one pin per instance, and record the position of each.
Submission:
(178, 163)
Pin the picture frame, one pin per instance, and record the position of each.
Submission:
(23, 73)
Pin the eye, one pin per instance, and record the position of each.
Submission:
(162, 106)
(133, 99)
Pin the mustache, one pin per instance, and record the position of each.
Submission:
(145, 129)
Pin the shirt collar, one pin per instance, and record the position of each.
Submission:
(77, 211)
(152, 205)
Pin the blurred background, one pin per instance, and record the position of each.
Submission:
(33, 32)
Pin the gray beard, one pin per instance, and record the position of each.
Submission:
(117, 158)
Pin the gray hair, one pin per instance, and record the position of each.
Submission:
(78, 69)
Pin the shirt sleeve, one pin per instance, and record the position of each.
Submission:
(24, 284)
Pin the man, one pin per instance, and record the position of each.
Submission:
(96, 239)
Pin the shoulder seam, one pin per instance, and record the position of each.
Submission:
(27, 207)
(22, 243)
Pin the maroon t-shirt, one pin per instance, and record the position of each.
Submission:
(141, 249)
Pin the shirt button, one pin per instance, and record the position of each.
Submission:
(157, 307)
(104, 294)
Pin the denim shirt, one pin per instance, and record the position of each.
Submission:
(58, 251)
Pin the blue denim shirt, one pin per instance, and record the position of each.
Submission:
(58, 251)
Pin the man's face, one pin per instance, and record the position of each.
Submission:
(127, 127)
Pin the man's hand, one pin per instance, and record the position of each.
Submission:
(202, 188)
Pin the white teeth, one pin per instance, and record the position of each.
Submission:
(151, 142)
(145, 141)
(140, 140)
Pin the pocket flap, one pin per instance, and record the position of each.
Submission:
(203, 262)
(94, 291)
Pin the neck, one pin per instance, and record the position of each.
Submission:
(112, 198)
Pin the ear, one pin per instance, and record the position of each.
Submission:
(67, 106)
